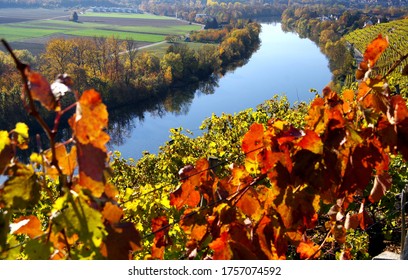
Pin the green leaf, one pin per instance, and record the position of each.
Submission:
(79, 218)
(37, 250)
(22, 189)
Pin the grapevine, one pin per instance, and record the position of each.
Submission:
(292, 176)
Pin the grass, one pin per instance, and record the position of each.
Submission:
(143, 37)
(161, 49)
(21, 33)
(13, 32)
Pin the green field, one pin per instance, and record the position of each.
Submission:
(144, 28)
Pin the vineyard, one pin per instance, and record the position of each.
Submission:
(275, 183)
(397, 33)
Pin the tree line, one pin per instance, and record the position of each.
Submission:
(122, 73)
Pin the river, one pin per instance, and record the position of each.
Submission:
(283, 64)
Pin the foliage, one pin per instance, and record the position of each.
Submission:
(254, 186)
(290, 178)
(46, 211)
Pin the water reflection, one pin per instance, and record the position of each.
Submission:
(284, 64)
(176, 102)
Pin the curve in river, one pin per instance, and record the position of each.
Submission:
(284, 64)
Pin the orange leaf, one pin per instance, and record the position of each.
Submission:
(112, 213)
(40, 89)
(271, 238)
(348, 99)
(315, 118)
(67, 162)
(307, 249)
(90, 120)
(194, 226)
(399, 109)
(192, 178)
(375, 49)
(253, 141)
(221, 249)
(312, 142)
(160, 228)
(29, 225)
(250, 205)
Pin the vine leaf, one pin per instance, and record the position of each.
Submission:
(90, 120)
(21, 190)
(382, 183)
(37, 249)
(29, 225)
(122, 240)
(312, 142)
(160, 228)
(22, 135)
(253, 141)
(88, 124)
(112, 213)
(394, 129)
(66, 161)
(375, 49)
(6, 151)
(220, 246)
(271, 241)
(308, 249)
(80, 219)
(92, 163)
(40, 89)
(195, 226)
(188, 192)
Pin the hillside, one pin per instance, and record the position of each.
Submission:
(397, 33)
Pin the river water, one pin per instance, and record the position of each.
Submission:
(283, 64)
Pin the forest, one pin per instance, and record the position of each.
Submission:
(311, 181)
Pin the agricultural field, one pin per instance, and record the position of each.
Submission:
(32, 28)
(397, 34)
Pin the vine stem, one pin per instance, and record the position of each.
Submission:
(22, 67)
(321, 245)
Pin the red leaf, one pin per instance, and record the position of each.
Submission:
(92, 163)
(122, 240)
(160, 228)
(364, 218)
